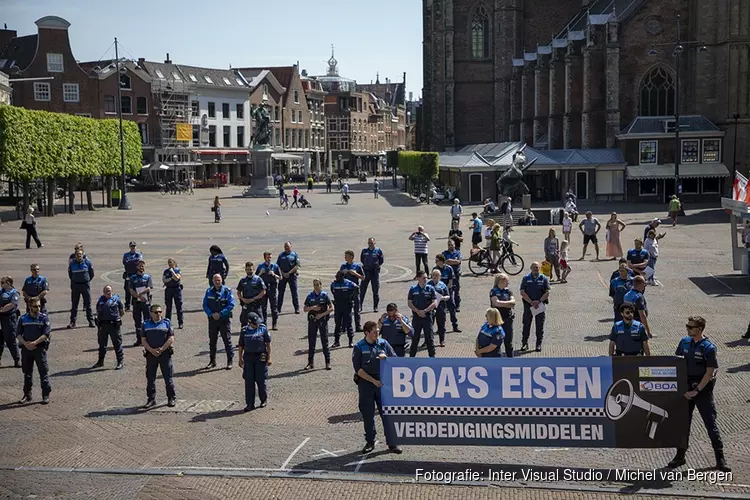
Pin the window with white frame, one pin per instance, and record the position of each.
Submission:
(160, 74)
(41, 91)
(124, 82)
(193, 78)
(226, 80)
(690, 151)
(711, 185)
(55, 63)
(143, 129)
(690, 185)
(647, 187)
(296, 97)
(176, 76)
(332, 125)
(294, 116)
(299, 117)
(208, 79)
(71, 92)
(711, 150)
(648, 152)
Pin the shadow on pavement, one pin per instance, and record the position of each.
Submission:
(345, 419)
(203, 417)
(726, 285)
(290, 374)
(596, 338)
(114, 412)
(198, 371)
(398, 198)
(738, 369)
(72, 373)
(707, 216)
(738, 343)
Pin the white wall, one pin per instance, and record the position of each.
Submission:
(218, 97)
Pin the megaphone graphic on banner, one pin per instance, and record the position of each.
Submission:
(621, 398)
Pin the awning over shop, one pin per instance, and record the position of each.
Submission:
(157, 165)
(686, 170)
(285, 157)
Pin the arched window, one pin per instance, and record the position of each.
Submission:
(657, 93)
(480, 33)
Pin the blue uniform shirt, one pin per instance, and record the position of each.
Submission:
(172, 283)
(535, 287)
(322, 300)
(365, 356)
(618, 287)
(493, 335)
(343, 291)
(130, 261)
(699, 356)
(628, 339)
(392, 332)
(217, 264)
(371, 259)
(454, 255)
(218, 301)
(440, 289)
(254, 340)
(81, 272)
(8, 297)
(617, 274)
(266, 273)
(250, 286)
(142, 281)
(30, 328)
(109, 309)
(34, 286)
(157, 334)
(420, 297)
(286, 261)
(637, 256)
(446, 273)
(357, 268)
(637, 298)
(503, 294)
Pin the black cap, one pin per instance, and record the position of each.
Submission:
(253, 318)
(132, 244)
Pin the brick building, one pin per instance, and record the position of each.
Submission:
(492, 74)
(5, 90)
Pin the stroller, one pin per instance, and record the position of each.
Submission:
(303, 203)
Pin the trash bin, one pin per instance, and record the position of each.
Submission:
(116, 196)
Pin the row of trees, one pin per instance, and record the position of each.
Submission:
(417, 167)
(39, 145)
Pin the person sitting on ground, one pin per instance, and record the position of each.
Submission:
(489, 206)
(529, 219)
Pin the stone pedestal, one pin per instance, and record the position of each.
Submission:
(262, 181)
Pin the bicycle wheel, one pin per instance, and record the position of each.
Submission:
(480, 266)
(512, 264)
(164, 190)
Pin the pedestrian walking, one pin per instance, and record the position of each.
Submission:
(491, 335)
(35, 287)
(270, 274)
(535, 294)
(29, 224)
(141, 286)
(9, 314)
(217, 264)
(216, 209)
(191, 184)
(289, 264)
(651, 245)
(318, 307)
(628, 336)
(674, 209)
(395, 328)
(552, 252)
(80, 272)
(310, 183)
(329, 182)
(456, 211)
(158, 337)
(372, 259)
(218, 303)
(33, 334)
(476, 227)
(564, 261)
(376, 188)
(109, 312)
(613, 229)
(590, 227)
(295, 195)
(502, 299)
(130, 261)
(421, 248)
(254, 350)
(172, 279)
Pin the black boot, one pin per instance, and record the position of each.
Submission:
(678, 460)
(747, 333)
(721, 462)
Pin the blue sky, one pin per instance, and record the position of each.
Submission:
(384, 36)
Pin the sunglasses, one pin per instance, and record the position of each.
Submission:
(691, 327)
(157, 312)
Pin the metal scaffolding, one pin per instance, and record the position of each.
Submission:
(172, 105)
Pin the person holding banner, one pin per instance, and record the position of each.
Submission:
(394, 328)
(628, 337)
(501, 298)
(491, 335)
(535, 292)
(366, 358)
(700, 355)
(422, 302)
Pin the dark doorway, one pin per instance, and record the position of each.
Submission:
(582, 185)
(668, 189)
(475, 188)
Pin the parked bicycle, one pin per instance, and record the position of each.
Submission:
(482, 261)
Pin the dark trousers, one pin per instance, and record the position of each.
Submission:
(313, 329)
(140, 314)
(221, 326)
(246, 309)
(527, 318)
(163, 362)
(128, 297)
(356, 310)
(618, 316)
(707, 409)
(371, 276)
(422, 325)
(28, 359)
(451, 307)
(456, 292)
(170, 295)
(76, 291)
(421, 259)
(369, 397)
(255, 372)
(440, 322)
(8, 325)
(342, 320)
(292, 280)
(31, 233)
(110, 331)
(508, 340)
(400, 350)
(270, 299)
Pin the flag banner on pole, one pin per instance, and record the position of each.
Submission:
(184, 131)
(602, 402)
(740, 191)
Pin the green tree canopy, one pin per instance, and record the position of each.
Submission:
(420, 167)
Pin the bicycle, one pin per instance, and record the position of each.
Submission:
(481, 262)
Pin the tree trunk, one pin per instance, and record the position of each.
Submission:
(108, 185)
(89, 195)
(51, 185)
(71, 194)
(26, 188)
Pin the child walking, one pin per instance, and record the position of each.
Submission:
(567, 224)
(564, 265)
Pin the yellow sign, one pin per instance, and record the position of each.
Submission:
(184, 132)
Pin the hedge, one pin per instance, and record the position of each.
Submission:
(42, 145)
(419, 166)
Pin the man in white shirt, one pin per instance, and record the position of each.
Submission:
(456, 211)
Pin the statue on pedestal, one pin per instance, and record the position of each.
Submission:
(262, 130)
(511, 182)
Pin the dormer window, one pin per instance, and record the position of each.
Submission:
(55, 63)
(193, 78)
(125, 82)
(160, 74)
(176, 76)
(208, 79)
(226, 81)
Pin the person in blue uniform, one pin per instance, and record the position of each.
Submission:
(288, 262)
(618, 287)
(637, 257)
(250, 293)
(33, 333)
(79, 246)
(140, 290)
(35, 286)
(218, 303)
(700, 354)
(343, 291)
(395, 328)
(130, 261)
(80, 272)
(366, 357)
(172, 279)
(453, 258)
(217, 264)
(628, 336)
(635, 296)
(158, 337)
(318, 307)
(109, 312)
(534, 292)
(444, 297)
(372, 260)
(9, 319)
(270, 274)
(354, 272)
(423, 301)
(502, 299)
(254, 359)
(491, 335)
(616, 273)
(448, 277)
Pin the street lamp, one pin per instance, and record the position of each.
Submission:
(124, 202)
(679, 48)
(736, 117)
(340, 162)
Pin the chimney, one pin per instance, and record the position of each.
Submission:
(304, 72)
(411, 96)
(6, 36)
(141, 60)
(167, 60)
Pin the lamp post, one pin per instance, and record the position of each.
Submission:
(124, 202)
(736, 117)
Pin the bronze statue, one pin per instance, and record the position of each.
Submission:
(262, 130)
(511, 182)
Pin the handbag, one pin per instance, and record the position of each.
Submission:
(213, 209)
(24, 225)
